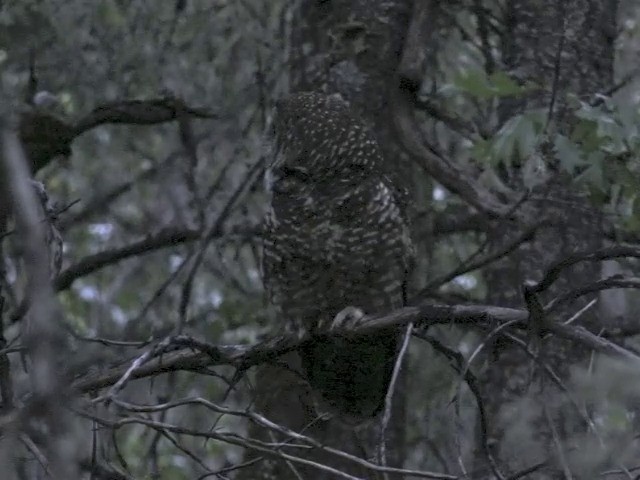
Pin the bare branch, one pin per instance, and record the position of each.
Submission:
(36, 452)
(6, 382)
(468, 266)
(558, 443)
(483, 31)
(458, 362)
(561, 15)
(45, 136)
(616, 281)
(553, 272)
(448, 174)
(140, 112)
(167, 237)
(101, 471)
(390, 391)
(196, 355)
(455, 123)
(273, 449)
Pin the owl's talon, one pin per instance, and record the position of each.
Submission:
(347, 317)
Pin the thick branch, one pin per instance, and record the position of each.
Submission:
(406, 125)
(553, 272)
(140, 112)
(616, 281)
(45, 136)
(167, 237)
(448, 174)
(199, 355)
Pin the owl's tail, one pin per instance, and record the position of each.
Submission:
(352, 376)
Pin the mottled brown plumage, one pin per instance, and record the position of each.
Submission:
(336, 236)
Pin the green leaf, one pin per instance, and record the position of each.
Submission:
(475, 83)
(111, 14)
(505, 86)
(593, 176)
(587, 112)
(618, 417)
(567, 153)
(481, 151)
(628, 180)
(517, 137)
(633, 221)
(585, 132)
(609, 128)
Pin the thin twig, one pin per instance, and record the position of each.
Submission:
(37, 453)
(553, 272)
(382, 454)
(256, 444)
(557, 62)
(556, 440)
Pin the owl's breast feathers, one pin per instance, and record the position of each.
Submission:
(350, 242)
(336, 236)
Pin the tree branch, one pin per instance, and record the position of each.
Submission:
(197, 355)
(553, 272)
(140, 112)
(406, 125)
(43, 338)
(167, 237)
(45, 136)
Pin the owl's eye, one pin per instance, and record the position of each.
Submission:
(296, 173)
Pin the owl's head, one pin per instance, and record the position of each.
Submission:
(317, 137)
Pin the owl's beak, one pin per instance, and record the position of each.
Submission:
(274, 180)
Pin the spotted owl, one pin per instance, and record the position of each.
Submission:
(336, 236)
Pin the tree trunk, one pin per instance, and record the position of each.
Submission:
(564, 47)
(350, 47)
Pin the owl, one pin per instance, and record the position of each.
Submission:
(336, 236)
